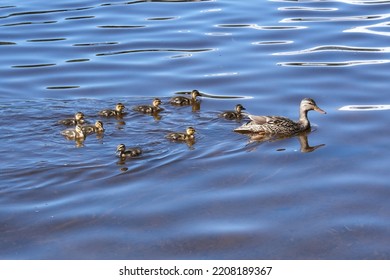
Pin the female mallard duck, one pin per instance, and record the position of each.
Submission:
(233, 115)
(183, 136)
(96, 128)
(78, 119)
(150, 109)
(184, 101)
(131, 152)
(117, 112)
(76, 133)
(281, 125)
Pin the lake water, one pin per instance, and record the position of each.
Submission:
(323, 195)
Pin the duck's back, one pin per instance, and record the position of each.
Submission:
(270, 125)
(180, 100)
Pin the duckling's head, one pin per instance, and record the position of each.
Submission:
(195, 93)
(120, 148)
(119, 107)
(190, 131)
(78, 116)
(99, 124)
(239, 108)
(308, 104)
(156, 102)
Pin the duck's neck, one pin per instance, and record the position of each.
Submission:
(303, 120)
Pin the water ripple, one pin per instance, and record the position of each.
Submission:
(369, 29)
(259, 27)
(365, 107)
(154, 50)
(352, 2)
(335, 48)
(334, 64)
(312, 9)
(339, 19)
(41, 12)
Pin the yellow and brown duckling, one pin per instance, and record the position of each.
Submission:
(276, 125)
(130, 152)
(96, 128)
(117, 112)
(78, 119)
(189, 135)
(185, 101)
(150, 109)
(234, 115)
(76, 133)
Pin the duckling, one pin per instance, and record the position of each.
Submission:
(233, 115)
(78, 119)
(189, 135)
(276, 125)
(117, 112)
(124, 153)
(150, 109)
(96, 128)
(76, 133)
(185, 101)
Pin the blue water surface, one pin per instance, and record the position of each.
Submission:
(321, 195)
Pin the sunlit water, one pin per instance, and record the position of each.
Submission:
(323, 195)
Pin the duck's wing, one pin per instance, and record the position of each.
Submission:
(260, 119)
(275, 120)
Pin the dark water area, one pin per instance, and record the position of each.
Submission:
(319, 195)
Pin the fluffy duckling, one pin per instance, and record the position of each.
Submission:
(76, 133)
(124, 153)
(234, 115)
(117, 112)
(150, 109)
(182, 136)
(96, 128)
(78, 119)
(185, 101)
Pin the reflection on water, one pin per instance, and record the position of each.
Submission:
(226, 195)
(302, 138)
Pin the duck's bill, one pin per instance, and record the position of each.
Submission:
(319, 110)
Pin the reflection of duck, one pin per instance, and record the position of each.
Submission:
(117, 112)
(233, 115)
(130, 152)
(76, 133)
(302, 137)
(276, 125)
(78, 119)
(96, 128)
(150, 109)
(185, 101)
(182, 136)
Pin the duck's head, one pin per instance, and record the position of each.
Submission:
(190, 130)
(239, 108)
(119, 107)
(195, 93)
(78, 116)
(156, 102)
(308, 104)
(120, 148)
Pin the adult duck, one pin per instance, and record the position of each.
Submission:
(276, 125)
